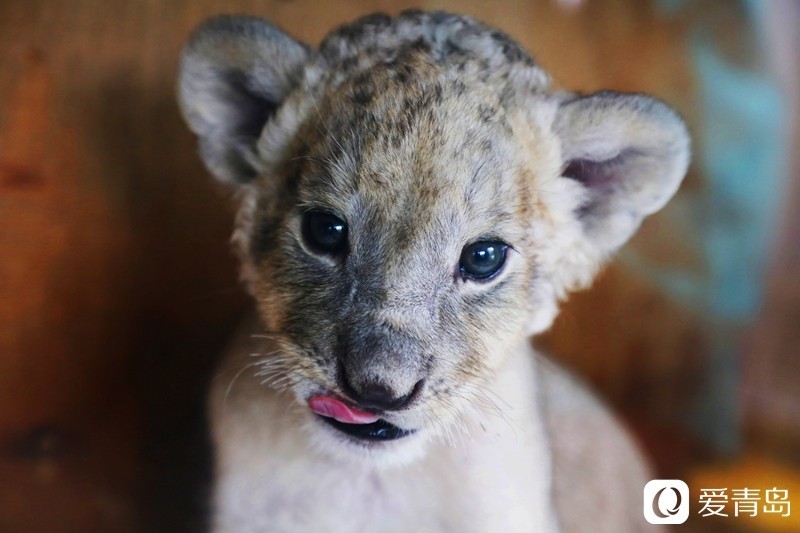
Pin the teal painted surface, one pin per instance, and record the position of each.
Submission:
(743, 146)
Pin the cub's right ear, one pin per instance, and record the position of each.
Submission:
(234, 73)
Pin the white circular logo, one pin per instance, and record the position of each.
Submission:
(666, 501)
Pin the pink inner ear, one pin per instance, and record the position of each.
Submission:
(593, 174)
(602, 175)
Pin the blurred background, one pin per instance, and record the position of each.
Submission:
(118, 291)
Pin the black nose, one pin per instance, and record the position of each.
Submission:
(379, 396)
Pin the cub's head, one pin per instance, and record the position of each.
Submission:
(414, 203)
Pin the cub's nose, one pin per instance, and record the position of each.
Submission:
(375, 395)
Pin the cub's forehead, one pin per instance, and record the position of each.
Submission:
(448, 40)
(412, 142)
(422, 111)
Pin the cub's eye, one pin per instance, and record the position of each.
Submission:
(483, 259)
(324, 233)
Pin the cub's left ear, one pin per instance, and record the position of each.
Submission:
(629, 152)
(235, 73)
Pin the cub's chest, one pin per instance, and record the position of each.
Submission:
(449, 492)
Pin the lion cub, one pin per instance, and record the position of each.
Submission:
(414, 204)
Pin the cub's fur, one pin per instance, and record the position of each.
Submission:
(421, 134)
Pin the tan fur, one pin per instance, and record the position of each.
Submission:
(423, 134)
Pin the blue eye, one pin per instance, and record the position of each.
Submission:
(324, 233)
(483, 259)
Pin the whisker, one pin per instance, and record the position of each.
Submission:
(235, 377)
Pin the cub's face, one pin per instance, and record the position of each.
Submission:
(414, 203)
(398, 263)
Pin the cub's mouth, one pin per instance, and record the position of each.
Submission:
(355, 422)
(380, 430)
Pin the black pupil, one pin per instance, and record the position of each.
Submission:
(483, 259)
(323, 232)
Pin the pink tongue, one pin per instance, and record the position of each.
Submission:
(333, 408)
